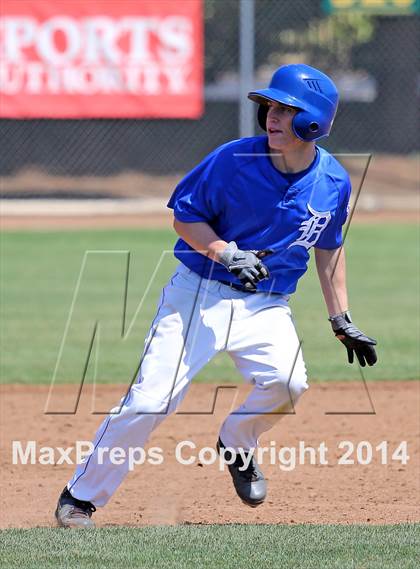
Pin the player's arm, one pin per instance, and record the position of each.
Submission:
(201, 237)
(245, 265)
(331, 267)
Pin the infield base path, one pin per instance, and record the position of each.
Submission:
(172, 493)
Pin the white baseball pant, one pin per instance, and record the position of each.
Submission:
(196, 319)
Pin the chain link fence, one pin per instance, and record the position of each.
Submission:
(374, 60)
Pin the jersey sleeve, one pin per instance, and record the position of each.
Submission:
(197, 197)
(332, 236)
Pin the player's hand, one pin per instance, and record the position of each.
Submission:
(245, 265)
(354, 340)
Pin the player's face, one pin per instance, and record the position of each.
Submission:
(279, 127)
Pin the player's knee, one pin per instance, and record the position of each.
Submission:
(285, 385)
(297, 386)
(294, 386)
(147, 407)
(141, 403)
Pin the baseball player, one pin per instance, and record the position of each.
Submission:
(247, 217)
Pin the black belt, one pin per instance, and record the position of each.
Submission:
(237, 287)
(241, 288)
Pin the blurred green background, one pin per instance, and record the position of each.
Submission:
(40, 271)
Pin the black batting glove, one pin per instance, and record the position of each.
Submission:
(245, 265)
(354, 339)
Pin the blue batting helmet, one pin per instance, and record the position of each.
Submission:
(310, 91)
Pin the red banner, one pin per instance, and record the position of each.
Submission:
(101, 58)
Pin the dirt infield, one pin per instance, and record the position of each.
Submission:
(171, 493)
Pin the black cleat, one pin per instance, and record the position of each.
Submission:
(73, 513)
(250, 484)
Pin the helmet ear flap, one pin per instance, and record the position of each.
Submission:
(306, 126)
(262, 116)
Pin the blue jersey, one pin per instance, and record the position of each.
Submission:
(238, 191)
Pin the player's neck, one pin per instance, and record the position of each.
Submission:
(293, 160)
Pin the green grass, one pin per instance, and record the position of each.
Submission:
(40, 270)
(230, 546)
